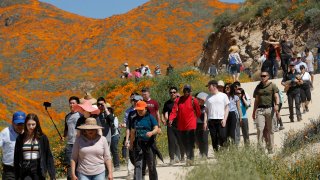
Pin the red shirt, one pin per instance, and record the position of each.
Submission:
(153, 107)
(186, 113)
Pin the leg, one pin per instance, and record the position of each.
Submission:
(99, 176)
(138, 156)
(231, 127)
(290, 103)
(151, 162)
(214, 135)
(260, 123)
(191, 136)
(114, 151)
(245, 131)
(171, 142)
(68, 151)
(84, 177)
(297, 103)
(269, 115)
(8, 173)
(222, 134)
(181, 146)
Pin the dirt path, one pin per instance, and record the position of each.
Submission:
(178, 171)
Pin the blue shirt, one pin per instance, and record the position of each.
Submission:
(144, 124)
(126, 115)
(8, 141)
(243, 110)
(233, 104)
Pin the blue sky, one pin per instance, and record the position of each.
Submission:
(101, 8)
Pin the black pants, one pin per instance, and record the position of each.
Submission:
(143, 150)
(34, 172)
(245, 130)
(188, 139)
(175, 145)
(305, 92)
(202, 139)
(8, 172)
(217, 132)
(233, 127)
(294, 96)
(285, 59)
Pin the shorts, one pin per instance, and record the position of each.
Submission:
(234, 68)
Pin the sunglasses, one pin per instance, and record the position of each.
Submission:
(263, 76)
(99, 104)
(173, 92)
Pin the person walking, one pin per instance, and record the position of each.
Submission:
(213, 71)
(202, 132)
(8, 138)
(186, 109)
(175, 146)
(266, 103)
(33, 157)
(244, 105)
(143, 129)
(90, 153)
(234, 117)
(299, 63)
(286, 53)
(234, 62)
(305, 89)
(157, 71)
(273, 56)
(309, 60)
(292, 82)
(217, 110)
(70, 132)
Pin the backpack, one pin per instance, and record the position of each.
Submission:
(232, 60)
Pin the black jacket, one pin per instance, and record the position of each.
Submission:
(46, 158)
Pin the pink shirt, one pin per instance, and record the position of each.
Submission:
(91, 155)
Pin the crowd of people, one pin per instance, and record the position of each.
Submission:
(92, 130)
(143, 71)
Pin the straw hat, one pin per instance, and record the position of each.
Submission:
(90, 123)
(86, 106)
(272, 39)
(234, 49)
(89, 97)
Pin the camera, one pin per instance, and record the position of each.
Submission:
(47, 104)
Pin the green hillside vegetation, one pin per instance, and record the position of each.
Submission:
(302, 11)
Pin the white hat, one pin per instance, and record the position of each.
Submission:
(125, 64)
(220, 83)
(299, 55)
(202, 95)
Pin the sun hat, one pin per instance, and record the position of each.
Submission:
(141, 105)
(234, 49)
(220, 83)
(299, 55)
(125, 64)
(19, 117)
(90, 123)
(86, 106)
(272, 39)
(89, 97)
(202, 95)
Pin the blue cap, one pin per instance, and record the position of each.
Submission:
(137, 98)
(19, 117)
(187, 86)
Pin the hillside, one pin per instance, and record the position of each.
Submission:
(49, 54)
(257, 20)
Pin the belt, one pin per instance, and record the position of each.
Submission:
(7, 167)
(265, 106)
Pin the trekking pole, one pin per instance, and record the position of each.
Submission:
(46, 105)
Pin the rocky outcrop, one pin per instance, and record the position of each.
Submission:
(250, 38)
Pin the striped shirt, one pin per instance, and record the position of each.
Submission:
(31, 150)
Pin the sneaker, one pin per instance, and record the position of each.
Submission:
(182, 160)
(172, 162)
(189, 162)
(307, 108)
(129, 176)
(304, 111)
(276, 129)
(291, 120)
(299, 119)
(281, 128)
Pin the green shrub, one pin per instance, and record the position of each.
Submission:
(224, 19)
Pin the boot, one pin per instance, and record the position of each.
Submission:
(281, 124)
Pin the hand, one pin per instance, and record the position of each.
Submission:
(74, 177)
(110, 176)
(241, 122)
(205, 126)
(159, 131)
(127, 144)
(223, 123)
(149, 134)
(276, 108)
(164, 123)
(170, 123)
(254, 115)
(62, 139)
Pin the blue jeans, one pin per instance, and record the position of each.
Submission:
(100, 176)
(318, 60)
(114, 150)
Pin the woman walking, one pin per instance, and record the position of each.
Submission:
(305, 89)
(234, 118)
(244, 105)
(234, 62)
(90, 153)
(33, 157)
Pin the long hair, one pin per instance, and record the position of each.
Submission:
(37, 133)
(232, 91)
(243, 94)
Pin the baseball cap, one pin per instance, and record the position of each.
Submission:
(137, 98)
(187, 86)
(299, 55)
(141, 105)
(19, 117)
(202, 95)
(212, 82)
(292, 63)
(220, 83)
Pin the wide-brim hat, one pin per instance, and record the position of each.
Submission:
(90, 123)
(89, 97)
(86, 106)
(234, 49)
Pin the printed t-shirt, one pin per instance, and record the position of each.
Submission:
(216, 104)
(144, 124)
(153, 107)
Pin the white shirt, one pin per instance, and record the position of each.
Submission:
(297, 66)
(8, 141)
(306, 76)
(216, 104)
(310, 62)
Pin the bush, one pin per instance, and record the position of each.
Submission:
(224, 19)
(312, 16)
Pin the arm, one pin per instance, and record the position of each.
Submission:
(153, 132)
(226, 113)
(132, 137)
(197, 108)
(276, 101)
(65, 132)
(245, 102)
(50, 161)
(173, 113)
(239, 110)
(205, 121)
(109, 167)
(273, 43)
(255, 106)
(107, 158)
(74, 159)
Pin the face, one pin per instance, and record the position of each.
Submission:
(142, 112)
(220, 88)
(31, 125)
(173, 93)
(186, 92)
(238, 93)
(227, 89)
(86, 114)
(264, 77)
(100, 105)
(90, 133)
(291, 67)
(212, 88)
(72, 103)
(146, 95)
(302, 70)
(18, 127)
(201, 102)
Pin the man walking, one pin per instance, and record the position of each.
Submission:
(292, 82)
(217, 110)
(7, 142)
(286, 53)
(70, 131)
(186, 109)
(266, 103)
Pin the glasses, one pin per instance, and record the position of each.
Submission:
(173, 92)
(263, 76)
(99, 104)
